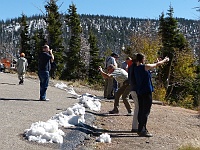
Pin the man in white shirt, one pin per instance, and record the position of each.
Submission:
(122, 77)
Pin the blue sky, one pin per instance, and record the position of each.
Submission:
(121, 8)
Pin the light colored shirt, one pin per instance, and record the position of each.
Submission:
(124, 66)
(111, 60)
(21, 65)
(120, 75)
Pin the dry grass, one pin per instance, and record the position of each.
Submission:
(189, 147)
(84, 83)
(78, 83)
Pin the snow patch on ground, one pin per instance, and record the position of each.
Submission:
(71, 117)
(49, 132)
(104, 138)
(43, 132)
(90, 102)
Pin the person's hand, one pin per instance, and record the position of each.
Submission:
(166, 59)
(50, 51)
(100, 69)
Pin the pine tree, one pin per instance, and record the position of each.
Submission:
(74, 65)
(94, 75)
(37, 41)
(180, 71)
(168, 31)
(25, 39)
(54, 31)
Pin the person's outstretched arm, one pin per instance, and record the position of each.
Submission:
(160, 62)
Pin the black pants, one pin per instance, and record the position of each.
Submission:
(145, 102)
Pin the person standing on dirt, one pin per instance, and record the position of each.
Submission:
(21, 67)
(44, 66)
(122, 77)
(144, 89)
(110, 84)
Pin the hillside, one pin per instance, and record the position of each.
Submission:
(112, 32)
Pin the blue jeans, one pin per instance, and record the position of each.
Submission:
(44, 81)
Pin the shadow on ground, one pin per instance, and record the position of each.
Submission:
(18, 99)
(9, 83)
(105, 114)
(87, 129)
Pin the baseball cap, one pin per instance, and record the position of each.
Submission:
(46, 46)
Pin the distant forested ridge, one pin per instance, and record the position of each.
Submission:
(112, 32)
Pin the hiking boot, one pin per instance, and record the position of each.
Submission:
(114, 111)
(145, 134)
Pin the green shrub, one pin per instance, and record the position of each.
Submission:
(187, 102)
(189, 147)
(159, 93)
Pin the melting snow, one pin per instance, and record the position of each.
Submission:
(43, 132)
(69, 89)
(90, 102)
(71, 117)
(104, 138)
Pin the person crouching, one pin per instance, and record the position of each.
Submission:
(122, 77)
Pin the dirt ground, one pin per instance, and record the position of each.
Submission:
(172, 127)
